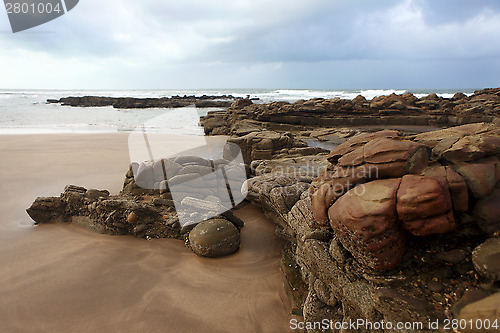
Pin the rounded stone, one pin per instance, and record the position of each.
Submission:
(214, 238)
(131, 218)
(486, 259)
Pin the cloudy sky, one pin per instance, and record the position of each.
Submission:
(319, 44)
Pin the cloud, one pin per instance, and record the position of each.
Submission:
(229, 43)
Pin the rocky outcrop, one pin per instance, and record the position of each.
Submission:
(166, 198)
(394, 242)
(405, 109)
(115, 215)
(267, 145)
(384, 227)
(144, 103)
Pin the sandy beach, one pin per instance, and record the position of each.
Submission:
(62, 278)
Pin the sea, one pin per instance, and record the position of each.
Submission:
(27, 112)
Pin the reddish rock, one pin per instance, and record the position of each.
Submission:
(432, 225)
(383, 150)
(424, 205)
(365, 222)
(391, 158)
(456, 184)
(327, 194)
(433, 138)
(358, 141)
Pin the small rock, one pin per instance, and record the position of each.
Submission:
(132, 218)
(486, 259)
(214, 238)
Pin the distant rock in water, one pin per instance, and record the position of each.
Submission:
(144, 103)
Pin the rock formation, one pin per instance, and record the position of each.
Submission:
(405, 109)
(383, 227)
(144, 103)
(387, 231)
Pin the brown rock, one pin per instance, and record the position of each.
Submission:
(473, 148)
(365, 222)
(46, 210)
(327, 194)
(486, 259)
(433, 138)
(214, 238)
(481, 177)
(487, 212)
(358, 141)
(455, 182)
(424, 205)
(132, 218)
(241, 103)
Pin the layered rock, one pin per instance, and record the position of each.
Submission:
(394, 245)
(405, 109)
(144, 103)
(266, 145)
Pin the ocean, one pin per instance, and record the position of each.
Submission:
(26, 111)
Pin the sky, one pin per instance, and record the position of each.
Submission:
(286, 44)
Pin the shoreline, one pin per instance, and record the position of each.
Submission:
(68, 278)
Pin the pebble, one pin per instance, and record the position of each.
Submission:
(132, 218)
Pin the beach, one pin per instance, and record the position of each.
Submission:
(63, 278)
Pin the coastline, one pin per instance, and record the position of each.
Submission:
(65, 278)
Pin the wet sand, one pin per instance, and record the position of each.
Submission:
(62, 278)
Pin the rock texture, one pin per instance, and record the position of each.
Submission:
(387, 229)
(384, 227)
(405, 109)
(267, 145)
